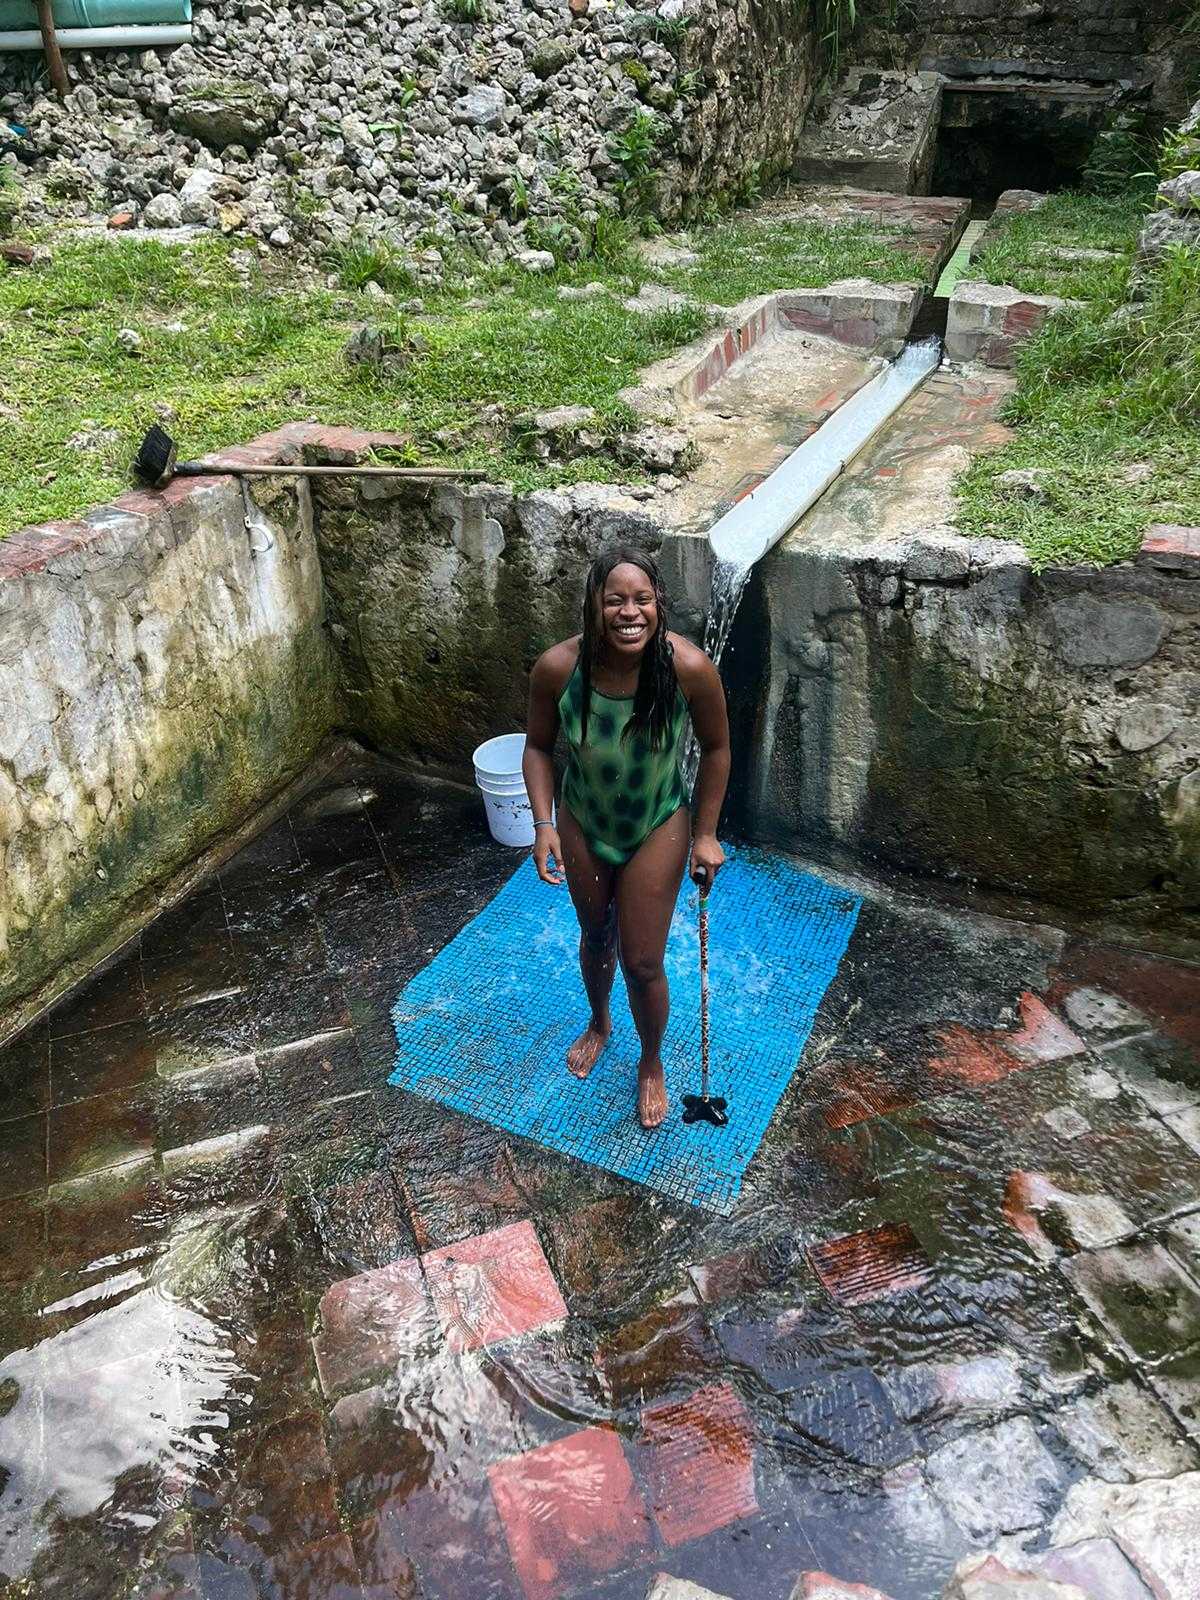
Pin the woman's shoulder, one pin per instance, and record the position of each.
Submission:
(692, 667)
(554, 666)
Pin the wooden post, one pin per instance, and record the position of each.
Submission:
(54, 60)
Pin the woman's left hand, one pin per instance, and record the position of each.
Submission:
(707, 860)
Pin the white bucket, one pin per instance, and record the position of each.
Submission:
(498, 774)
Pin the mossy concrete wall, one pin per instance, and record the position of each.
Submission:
(440, 601)
(163, 670)
(935, 706)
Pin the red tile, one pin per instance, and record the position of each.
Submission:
(971, 1059)
(1172, 547)
(492, 1287)
(861, 1091)
(699, 1463)
(824, 1586)
(1042, 1036)
(369, 1323)
(571, 1512)
(867, 1266)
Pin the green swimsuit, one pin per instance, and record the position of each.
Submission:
(619, 790)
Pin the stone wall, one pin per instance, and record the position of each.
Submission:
(439, 603)
(936, 706)
(163, 670)
(1089, 40)
(304, 123)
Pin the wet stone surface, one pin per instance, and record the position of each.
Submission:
(274, 1329)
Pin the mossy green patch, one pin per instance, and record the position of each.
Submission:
(747, 256)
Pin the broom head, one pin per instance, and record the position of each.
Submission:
(154, 463)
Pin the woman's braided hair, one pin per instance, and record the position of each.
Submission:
(654, 702)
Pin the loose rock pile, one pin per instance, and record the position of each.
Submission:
(304, 124)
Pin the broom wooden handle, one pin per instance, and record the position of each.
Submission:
(54, 60)
(198, 469)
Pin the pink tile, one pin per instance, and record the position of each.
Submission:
(371, 1322)
(1042, 1036)
(571, 1512)
(869, 1265)
(699, 1463)
(492, 1287)
(971, 1059)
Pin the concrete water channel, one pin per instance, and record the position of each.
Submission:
(275, 1328)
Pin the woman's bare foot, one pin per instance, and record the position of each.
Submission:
(652, 1095)
(585, 1052)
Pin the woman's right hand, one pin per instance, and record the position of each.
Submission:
(546, 846)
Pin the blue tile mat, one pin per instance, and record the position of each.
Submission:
(486, 1026)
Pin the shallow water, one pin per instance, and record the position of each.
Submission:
(273, 1328)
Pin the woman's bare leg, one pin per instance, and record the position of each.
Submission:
(647, 888)
(591, 884)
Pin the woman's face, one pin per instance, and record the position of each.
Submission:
(628, 613)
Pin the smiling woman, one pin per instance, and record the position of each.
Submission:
(622, 691)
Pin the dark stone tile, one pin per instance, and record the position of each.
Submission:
(275, 936)
(331, 827)
(199, 1038)
(295, 1076)
(114, 1215)
(25, 1074)
(330, 1143)
(288, 1010)
(207, 1105)
(601, 1253)
(23, 1230)
(270, 861)
(387, 1572)
(349, 1227)
(367, 926)
(114, 995)
(380, 1456)
(323, 1570)
(200, 919)
(842, 1426)
(1142, 1297)
(665, 1353)
(457, 1544)
(104, 1131)
(22, 1155)
(102, 1061)
(206, 970)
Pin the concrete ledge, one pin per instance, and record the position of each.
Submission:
(1171, 548)
(987, 321)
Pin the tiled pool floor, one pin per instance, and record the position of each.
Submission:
(272, 1328)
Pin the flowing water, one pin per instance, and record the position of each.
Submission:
(759, 520)
(261, 1338)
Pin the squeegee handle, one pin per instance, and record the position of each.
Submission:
(704, 994)
(198, 469)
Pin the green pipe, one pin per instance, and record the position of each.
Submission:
(19, 15)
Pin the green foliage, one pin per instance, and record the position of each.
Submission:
(1107, 405)
(634, 151)
(255, 354)
(362, 260)
(1121, 159)
(689, 85)
(1032, 249)
(464, 10)
(1179, 152)
(836, 21)
(518, 203)
(749, 256)
(750, 185)
(10, 200)
(637, 73)
(668, 31)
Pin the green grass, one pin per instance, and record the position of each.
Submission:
(1108, 406)
(743, 257)
(1024, 252)
(251, 356)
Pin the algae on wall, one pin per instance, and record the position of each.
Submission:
(440, 602)
(162, 680)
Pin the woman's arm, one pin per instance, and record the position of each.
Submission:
(705, 695)
(545, 686)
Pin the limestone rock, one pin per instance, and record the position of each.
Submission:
(1001, 1480)
(485, 106)
(1156, 1525)
(1027, 481)
(227, 111)
(1101, 632)
(821, 1586)
(1144, 726)
(535, 261)
(1182, 193)
(664, 1587)
(986, 1577)
(164, 211)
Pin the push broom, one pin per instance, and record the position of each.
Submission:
(156, 463)
(704, 1107)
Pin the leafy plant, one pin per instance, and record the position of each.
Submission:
(669, 31)
(1118, 162)
(634, 151)
(689, 84)
(464, 10)
(836, 21)
(362, 260)
(518, 195)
